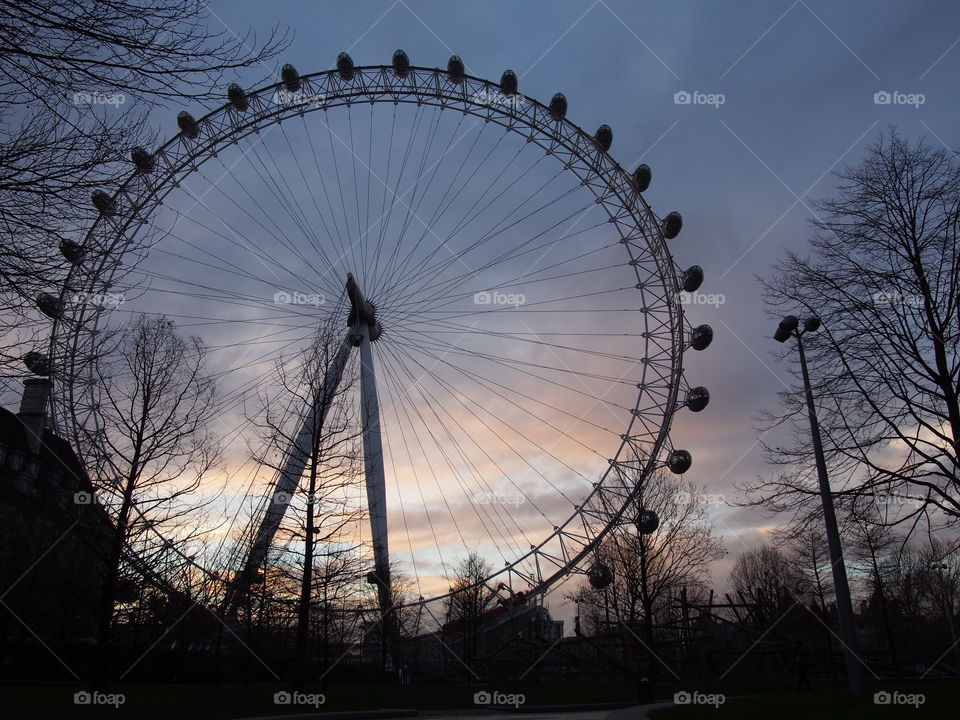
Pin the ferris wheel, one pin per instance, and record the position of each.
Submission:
(506, 297)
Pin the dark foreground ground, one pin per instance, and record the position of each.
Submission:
(227, 702)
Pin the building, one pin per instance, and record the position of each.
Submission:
(53, 537)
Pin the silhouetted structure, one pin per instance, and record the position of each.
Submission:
(52, 540)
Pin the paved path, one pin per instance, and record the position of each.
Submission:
(638, 712)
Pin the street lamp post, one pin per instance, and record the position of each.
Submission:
(790, 326)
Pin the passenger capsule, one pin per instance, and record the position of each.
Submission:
(692, 278)
(72, 251)
(103, 202)
(701, 337)
(600, 576)
(345, 66)
(698, 398)
(401, 64)
(49, 305)
(604, 137)
(647, 522)
(188, 126)
(642, 177)
(37, 363)
(672, 224)
(508, 83)
(456, 69)
(290, 77)
(558, 106)
(679, 462)
(237, 97)
(142, 160)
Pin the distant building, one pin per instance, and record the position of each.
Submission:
(504, 641)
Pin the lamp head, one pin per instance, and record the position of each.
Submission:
(786, 327)
(811, 324)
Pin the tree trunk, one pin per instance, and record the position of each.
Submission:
(306, 581)
(109, 587)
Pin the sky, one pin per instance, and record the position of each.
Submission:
(742, 110)
(798, 83)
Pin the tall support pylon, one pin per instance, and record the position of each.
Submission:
(373, 470)
(363, 329)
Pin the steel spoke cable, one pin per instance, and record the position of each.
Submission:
(514, 283)
(518, 251)
(440, 209)
(285, 200)
(426, 273)
(278, 236)
(417, 306)
(386, 182)
(412, 190)
(247, 246)
(461, 482)
(450, 145)
(443, 208)
(395, 192)
(433, 404)
(430, 465)
(339, 239)
(481, 380)
(479, 476)
(465, 221)
(556, 383)
(356, 189)
(542, 343)
(413, 206)
(461, 223)
(510, 363)
(403, 510)
(312, 237)
(343, 203)
(402, 429)
(520, 455)
(369, 164)
(514, 252)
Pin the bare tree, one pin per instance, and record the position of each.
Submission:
(884, 277)
(469, 599)
(809, 558)
(320, 515)
(651, 568)
(150, 446)
(77, 80)
(765, 578)
(942, 561)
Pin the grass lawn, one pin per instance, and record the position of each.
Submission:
(223, 702)
(746, 701)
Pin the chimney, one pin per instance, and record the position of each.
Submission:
(33, 410)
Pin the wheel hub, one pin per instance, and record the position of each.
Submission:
(362, 312)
